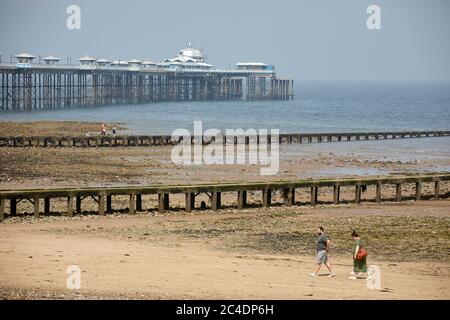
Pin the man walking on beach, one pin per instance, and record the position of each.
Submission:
(323, 247)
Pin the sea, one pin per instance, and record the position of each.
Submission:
(325, 106)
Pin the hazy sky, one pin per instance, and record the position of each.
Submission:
(313, 39)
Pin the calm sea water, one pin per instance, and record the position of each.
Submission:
(318, 107)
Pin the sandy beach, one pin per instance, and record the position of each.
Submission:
(251, 254)
(255, 253)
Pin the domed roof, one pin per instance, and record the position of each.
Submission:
(192, 52)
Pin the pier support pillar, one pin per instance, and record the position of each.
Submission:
(2, 209)
(418, 190)
(47, 205)
(189, 201)
(109, 203)
(336, 194)
(216, 200)
(132, 205)
(436, 190)
(398, 192)
(163, 202)
(70, 206)
(242, 199)
(101, 204)
(36, 207)
(314, 195)
(138, 202)
(358, 193)
(267, 198)
(378, 193)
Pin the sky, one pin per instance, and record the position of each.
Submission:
(305, 40)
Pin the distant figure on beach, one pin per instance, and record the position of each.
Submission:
(114, 130)
(323, 248)
(359, 257)
(103, 132)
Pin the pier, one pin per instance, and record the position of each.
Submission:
(103, 196)
(27, 85)
(165, 140)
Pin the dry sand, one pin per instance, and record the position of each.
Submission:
(251, 254)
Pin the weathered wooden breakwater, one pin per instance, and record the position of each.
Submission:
(65, 86)
(163, 140)
(104, 196)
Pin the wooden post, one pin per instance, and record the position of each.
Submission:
(336, 194)
(163, 202)
(2, 209)
(47, 205)
(289, 196)
(78, 204)
(418, 190)
(138, 202)
(109, 203)
(189, 201)
(398, 192)
(132, 208)
(358, 193)
(13, 206)
(242, 199)
(314, 195)
(378, 192)
(267, 198)
(36, 207)
(436, 190)
(216, 200)
(70, 206)
(101, 204)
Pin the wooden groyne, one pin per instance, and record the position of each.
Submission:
(164, 140)
(104, 196)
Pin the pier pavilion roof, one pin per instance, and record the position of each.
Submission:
(102, 60)
(87, 58)
(25, 56)
(134, 61)
(194, 53)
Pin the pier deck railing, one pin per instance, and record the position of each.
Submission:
(163, 140)
(103, 195)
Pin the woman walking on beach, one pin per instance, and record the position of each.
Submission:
(359, 257)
